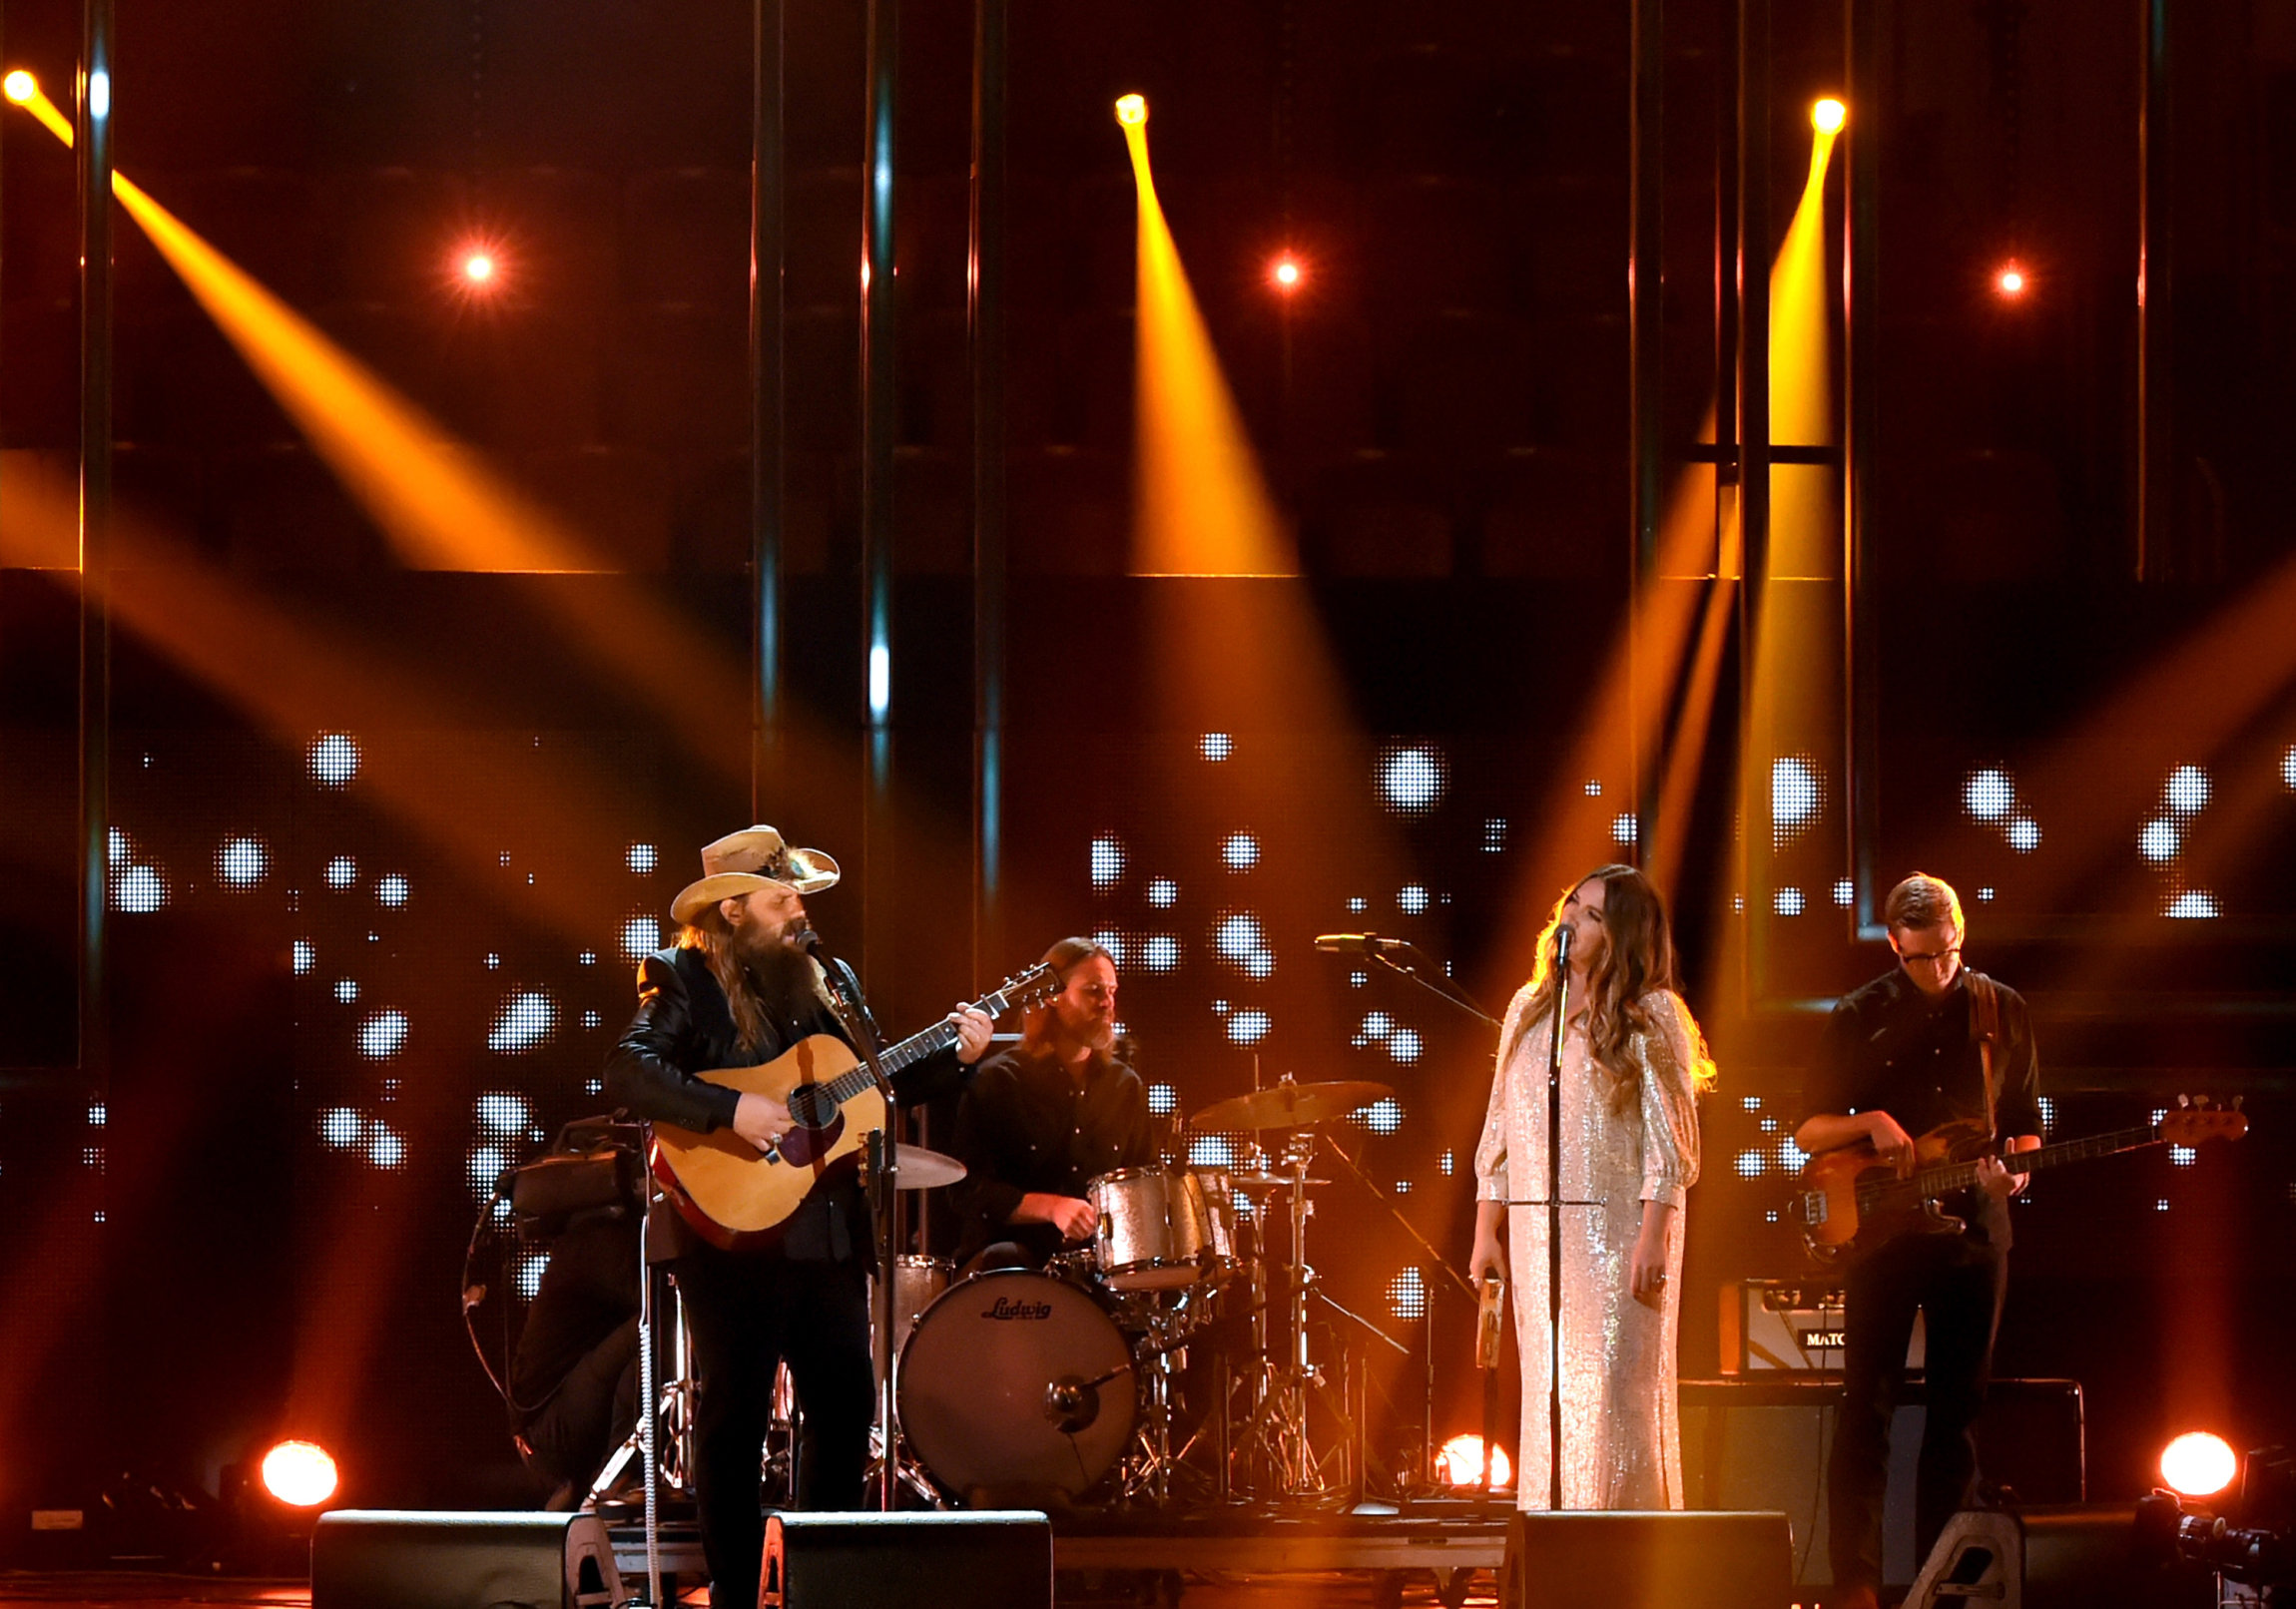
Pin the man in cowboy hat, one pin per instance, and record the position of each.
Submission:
(737, 989)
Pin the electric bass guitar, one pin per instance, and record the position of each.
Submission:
(735, 1195)
(1850, 1202)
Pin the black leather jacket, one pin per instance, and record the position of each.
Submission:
(684, 1027)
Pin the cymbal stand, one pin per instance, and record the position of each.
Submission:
(1278, 1431)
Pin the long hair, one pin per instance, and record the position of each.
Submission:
(709, 934)
(1637, 957)
(1064, 957)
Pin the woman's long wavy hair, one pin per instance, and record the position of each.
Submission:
(1637, 957)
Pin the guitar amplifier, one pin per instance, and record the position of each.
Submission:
(1790, 1325)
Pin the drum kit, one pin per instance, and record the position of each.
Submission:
(1168, 1359)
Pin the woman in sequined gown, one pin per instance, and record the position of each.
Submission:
(1633, 1062)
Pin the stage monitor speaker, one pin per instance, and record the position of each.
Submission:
(1657, 1560)
(393, 1559)
(2051, 1558)
(990, 1559)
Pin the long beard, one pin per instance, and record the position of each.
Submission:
(782, 977)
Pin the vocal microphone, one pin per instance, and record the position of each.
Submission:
(807, 939)
(1562, 944)
(1360, 944)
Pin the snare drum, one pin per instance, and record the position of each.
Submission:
(1221, 1251)
(1015, 1379)
(1154, 1230)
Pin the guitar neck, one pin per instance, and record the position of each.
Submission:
(915, 1048)
(1960, 1175)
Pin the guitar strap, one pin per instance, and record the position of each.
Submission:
(1986, 1003)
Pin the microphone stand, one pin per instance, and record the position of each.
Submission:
(1554, 1223)
(1443, 988)
(882, 1163)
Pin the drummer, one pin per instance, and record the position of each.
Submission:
(1042, 1119)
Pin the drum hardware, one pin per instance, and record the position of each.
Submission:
(1286, 1105)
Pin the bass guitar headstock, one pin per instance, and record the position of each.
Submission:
(2196, 1117)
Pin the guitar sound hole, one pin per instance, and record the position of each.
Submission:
(809, 1107)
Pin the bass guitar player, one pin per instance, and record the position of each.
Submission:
(1928, 1045)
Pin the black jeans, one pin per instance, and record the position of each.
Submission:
(590, 1413)
(1958, 1282)
(747, 1313)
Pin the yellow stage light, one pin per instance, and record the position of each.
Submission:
(301, 1474)
(2198, 1464)
(1287, 273)
(1459, 1462)
(20, 86)
(2010, 281)
(1828, 115)
(1132, 110)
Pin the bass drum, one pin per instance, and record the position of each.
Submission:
(1014, 1378)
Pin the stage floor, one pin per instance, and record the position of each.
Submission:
(1204, 1587)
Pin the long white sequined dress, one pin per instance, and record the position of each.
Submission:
(1621, 1437)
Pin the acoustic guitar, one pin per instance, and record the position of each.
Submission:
(735, 1195)
(1850, 1202)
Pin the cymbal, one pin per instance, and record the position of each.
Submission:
(1267, 1179)
(1291, 1106)
(919, 1169)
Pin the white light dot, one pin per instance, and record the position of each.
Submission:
(342, 1127)
(493, 962)
(1358, 906)
(1447, 1163)
(591, 1019)
(1796, 794)
(1163, 893)
(1163, 1099)
(1212, 1151)
(1408, 1297)
(1405, 1045)
(1248, 1027)
(1412, 899)
(2162, 1205)
(525, 1021)
(1624, 829)
(500, 1111)
(2047, 1105)
(346, 990)
(2024, 835)
(528, 1278)
(2159, 841)
(382, 1035)
(390, 891)
(1495, 834)
(1107, 861)
(242, 863)
(97, 1115)
(1845, 893)
(641, 936)
(334, 759)
(1238, 936)
(642, 857)
(1986, 894)
(485, 1167)
(1791, 1156)
(116, 849)
(2194, 904)
(2187, 790)
(1160, 953)
(1377, 1026)
(1594, 788)
(306, 955)
(1789, 902)
(1412, 778)
(2182, 1156)
(385, 1149)
(2288, 769)
(342, 871)
(1988, 794)
(1240, 852)
(1215, 745)
(139, 891)
(1116, 944)
(1752, 1164)
(1382, 1116)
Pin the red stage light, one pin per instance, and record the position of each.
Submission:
(301, 1474)
(1287, 273)
(478, 267)
(2010, 281)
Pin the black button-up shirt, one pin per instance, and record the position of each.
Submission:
(1890, 1048)
(1025, 1126)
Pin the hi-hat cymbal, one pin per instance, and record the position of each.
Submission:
(919, 1168)
(1291, 1106)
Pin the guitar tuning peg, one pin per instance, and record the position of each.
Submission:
(2237, 1100)
(2184, 1100)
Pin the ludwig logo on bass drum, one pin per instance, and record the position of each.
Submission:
(1006, 1308)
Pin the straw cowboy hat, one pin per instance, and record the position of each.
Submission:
(742, 862)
